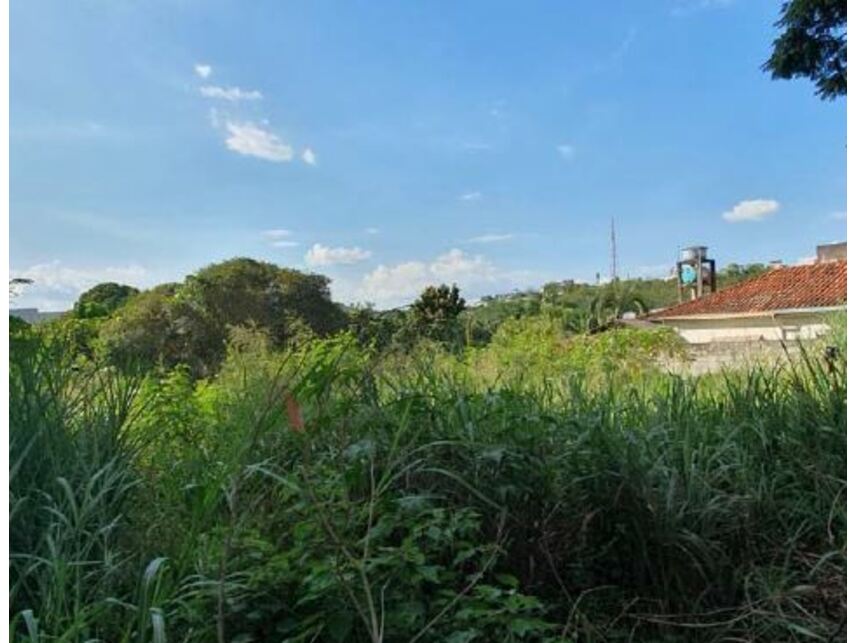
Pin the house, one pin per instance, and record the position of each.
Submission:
(785, 303)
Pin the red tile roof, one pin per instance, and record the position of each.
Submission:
(813, 286)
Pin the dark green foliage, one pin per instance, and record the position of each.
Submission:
(148, 331)
(380, 329)
(102, 300)
(733, 273)
(436, 311)
(189, 323)
(438, 305)
(813, 45)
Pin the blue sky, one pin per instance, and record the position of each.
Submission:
(394, 144)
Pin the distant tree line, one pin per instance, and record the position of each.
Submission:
(191, 322)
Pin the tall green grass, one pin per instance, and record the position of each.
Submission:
(425, 500)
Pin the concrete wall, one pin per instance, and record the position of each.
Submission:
(717, 356)
(832, 251)
(787, 327)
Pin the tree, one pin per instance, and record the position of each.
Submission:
(145, 331)
(190, 323)
(244, 291)
(734, 273)
(438, 305)
(612, 302)
(812, 45)
(102, 300)
(16, 283)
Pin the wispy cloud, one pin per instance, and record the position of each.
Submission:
(279, 238)
(839, 215)
(471, 196)
(685, 7)
(491, 238)
(67, 131)
(320, 255)
(625, 45)
(751, 210)
(498, 108)
(612, 58)
(248, 137)
(566, 151)
(372, 231)
(276, 233)
(251, 139)
(308, 157)
(229, 93)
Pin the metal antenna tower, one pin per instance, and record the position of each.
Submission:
(613, 272)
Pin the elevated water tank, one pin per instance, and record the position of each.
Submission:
(694, 253)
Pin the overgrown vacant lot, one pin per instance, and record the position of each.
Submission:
(526, 491)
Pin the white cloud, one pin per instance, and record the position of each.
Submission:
(471, 196)
(395, 284)
(566, 151)
(229, 93)
(277, 233)
(806, 261)
(751, 210)
(372, 231)
(402, 283)
(308, 157)
(56, 286)
(203, 71)
(250, 139)
(491, 238)
(457, 266)
(839, 215)
(279, 238)
(320, 255)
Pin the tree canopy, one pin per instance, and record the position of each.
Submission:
(813, 45)
(436, 309)
(103, 299)
(190, 322)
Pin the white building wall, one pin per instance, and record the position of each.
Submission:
(786, 327)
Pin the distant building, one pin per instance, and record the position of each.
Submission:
(32, 315)
(784, 303)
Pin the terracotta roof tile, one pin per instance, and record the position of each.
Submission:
(810, 286)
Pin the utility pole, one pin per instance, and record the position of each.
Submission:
(613, 273)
